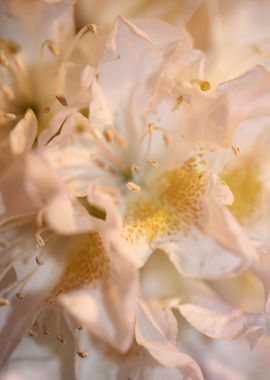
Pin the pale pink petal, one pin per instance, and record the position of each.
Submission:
(67, 216)
(150, 336)
(217, 322)
(32, 360)
(16, 317)
(24, 133)
(248, 96)
(107, 309)
(41, 178)
(218, 248)
(16, 199)
(253, 334)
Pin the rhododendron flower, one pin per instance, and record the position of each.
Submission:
(147, 142)
(139, 206)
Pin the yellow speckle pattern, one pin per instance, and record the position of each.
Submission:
(87, 263)
(174, 204)
(244, 182)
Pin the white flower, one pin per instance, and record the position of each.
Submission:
(147, 141)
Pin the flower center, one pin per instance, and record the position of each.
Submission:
(87, 263)
(173, 205)
(246, 186)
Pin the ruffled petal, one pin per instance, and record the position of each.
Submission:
(24, 133)
(218, 320)
(107, 309)
(150, 336)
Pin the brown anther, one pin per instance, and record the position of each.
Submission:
(135, 168)
(82, 354)
(53, 47)
(39, 240)
(151, 127)
(108, 135)
(20, 295)
(179, 101)
(120, 140)
(3, 59)
(31, 332)
(152, 163)
(92, 28)
(236, 149)
(45, 330)
(167, 138)
(204, 84)
(39, 261)
(61, 339)
(62, 99)
(133, 187)
(102, 165)
(10, 116)
(4, 301)
(47, 109)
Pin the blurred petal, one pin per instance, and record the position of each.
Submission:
(150, 336)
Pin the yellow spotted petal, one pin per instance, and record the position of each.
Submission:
(173, 205)
(87, 263)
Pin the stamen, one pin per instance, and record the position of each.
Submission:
(112, 157)
(204, 85)
(151, 127)
(59, 335)
(167, 138)
(118, 137)
(82, 354)
(236, 149)
(45, 330)
(52, 46)
(120, 140)
(31, 332)
(16, 70)
(92, 28)
(39, 240)
(62, 99)
(102, 165)
(3, 302)
(39, 260)
(152, 163)
(179, 101)
(135, 168)
(20, 295)
(61, 339)
(133, 187)
(108, 135)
